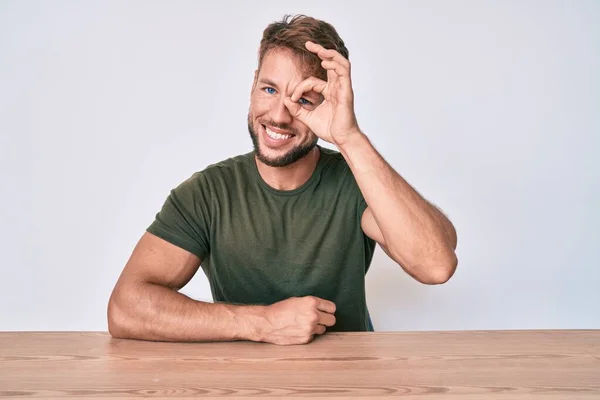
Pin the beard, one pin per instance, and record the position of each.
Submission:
(297, 153)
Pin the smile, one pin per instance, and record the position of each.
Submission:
(277, 136)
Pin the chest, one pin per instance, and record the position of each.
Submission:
(256, 228)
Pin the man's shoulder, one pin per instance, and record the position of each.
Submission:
(241, 161)
(224, 170)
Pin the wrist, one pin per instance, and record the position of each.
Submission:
(252, 321)
(351, 139)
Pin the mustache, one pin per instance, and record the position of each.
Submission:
(284, 127)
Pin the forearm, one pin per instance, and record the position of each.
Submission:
(447, 226)
(148, 311)
(417, 235)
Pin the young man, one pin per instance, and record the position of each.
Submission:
(285, 234)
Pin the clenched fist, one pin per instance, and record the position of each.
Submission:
(296, 320)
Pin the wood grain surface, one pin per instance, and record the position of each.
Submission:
(414, 365)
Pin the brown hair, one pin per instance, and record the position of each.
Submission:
(292, 34)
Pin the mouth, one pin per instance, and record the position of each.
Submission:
(275, 137)
(275, 134)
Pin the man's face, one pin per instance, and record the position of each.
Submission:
(279, 139)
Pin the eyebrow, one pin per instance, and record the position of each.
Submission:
(268, 82)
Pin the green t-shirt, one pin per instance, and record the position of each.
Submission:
(259, 245)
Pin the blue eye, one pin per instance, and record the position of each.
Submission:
(305, 102)
(269, 90)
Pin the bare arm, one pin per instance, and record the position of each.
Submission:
(145, 304)
(413, 232)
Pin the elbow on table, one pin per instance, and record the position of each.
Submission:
(116, 320)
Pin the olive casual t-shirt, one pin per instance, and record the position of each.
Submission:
(259, 245)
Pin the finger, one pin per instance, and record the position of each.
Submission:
(296, 110)
(320, 329)
(335, 66)
(326, 319)
(326, 305)
(327, 54)
(309, 84)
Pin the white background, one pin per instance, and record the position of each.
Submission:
(491, 109)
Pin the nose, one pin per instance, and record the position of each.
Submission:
(279, 113)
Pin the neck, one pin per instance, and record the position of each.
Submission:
(292, 176)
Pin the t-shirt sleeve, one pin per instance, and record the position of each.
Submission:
(184, 219)
(354, 189)
(361, 206)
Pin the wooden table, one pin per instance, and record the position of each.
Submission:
(415, 365)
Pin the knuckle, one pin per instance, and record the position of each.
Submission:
(308, 329)
(314, 318)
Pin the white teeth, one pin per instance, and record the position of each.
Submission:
(276, 136)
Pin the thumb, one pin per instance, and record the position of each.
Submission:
(296, 110)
